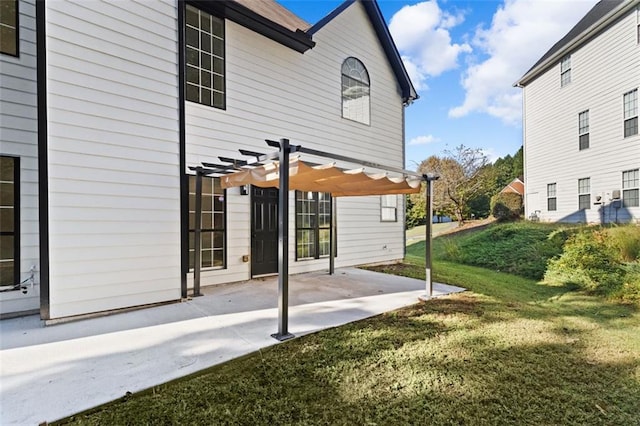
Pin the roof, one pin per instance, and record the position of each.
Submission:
(277, 13)
(272, 20)
(585, 29)
(516, 186)
(382, 31)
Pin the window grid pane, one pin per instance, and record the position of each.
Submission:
(212, 235)
(9, 220)
(630, 188)
(565, 71)
(631, 104)
(204, 38)
(313, 224)
(551, 190)
(584, 191)
(355, 91)
(9, 27)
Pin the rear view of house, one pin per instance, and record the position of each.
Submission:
(581, 139)
(105, 106)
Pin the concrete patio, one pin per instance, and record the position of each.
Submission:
(47, 373)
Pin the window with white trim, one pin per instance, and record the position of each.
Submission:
(313, 225)
(630, 102)
(389, 208)
(565, 71)
(631, 188)
(552, 201)
(9, 27)
(9, 221)
(205, 73)
(584, 193)
(583, 130)
(355, 91)
(213, 229)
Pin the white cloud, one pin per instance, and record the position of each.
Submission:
(421, 33)
(520, 33)
(424, 140)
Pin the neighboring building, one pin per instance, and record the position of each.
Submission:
(580, 119)
(516, 186)
(105, 106)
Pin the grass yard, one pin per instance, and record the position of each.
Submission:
(509, 351)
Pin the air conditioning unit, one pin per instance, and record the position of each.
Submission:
(615, 194)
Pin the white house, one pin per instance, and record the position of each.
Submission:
(106, 105)
(580, 121)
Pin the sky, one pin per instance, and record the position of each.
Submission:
(463, 57)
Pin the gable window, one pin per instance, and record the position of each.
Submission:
(9, 221)
(583, 129)
(565, 71)
(630, 101)
(388, 208)
(313, 225)
(584, 193)
(9, 27)
(213, 229)
(551, 197)
(205, 73)
(631, 188)
(355, 91)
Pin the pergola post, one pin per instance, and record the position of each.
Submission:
(332, 238)
(428, 246)
(283, 244)
(197, 238)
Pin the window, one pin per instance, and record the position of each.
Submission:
(583, 129)
(551, 197)
(355, 91)
(313, 224)
(565, 71)
(204, 36)
(631, 188)
(584, 193)
(212, 236)
(638, 24)
(9, 27)
(388, 208)
(630, 101)
(9, 221)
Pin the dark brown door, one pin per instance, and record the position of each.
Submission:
(264, 231)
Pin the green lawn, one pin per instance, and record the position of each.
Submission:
(509, 351)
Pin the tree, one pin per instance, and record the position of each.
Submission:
(463, 175)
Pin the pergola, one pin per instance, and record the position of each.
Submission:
(265, 170)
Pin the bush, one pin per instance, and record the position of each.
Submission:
(506, 206)
(605, 261)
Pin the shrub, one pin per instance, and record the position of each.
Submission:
(606, 261)
(506, 206)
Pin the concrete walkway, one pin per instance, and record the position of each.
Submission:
(47, 373)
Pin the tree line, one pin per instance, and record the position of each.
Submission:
(466, 184)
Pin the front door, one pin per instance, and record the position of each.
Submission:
(264, 231)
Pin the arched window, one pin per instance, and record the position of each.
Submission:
(355, 91)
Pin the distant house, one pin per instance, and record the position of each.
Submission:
(580, 119)
(105, 105)
(516, 186)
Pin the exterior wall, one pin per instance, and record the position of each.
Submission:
(19, 137)
(113, 154)
(275, 92)
(602, 71)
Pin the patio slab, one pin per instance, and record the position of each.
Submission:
(47, 373)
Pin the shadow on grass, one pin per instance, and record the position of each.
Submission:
(449, 361)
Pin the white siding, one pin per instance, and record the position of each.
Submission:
(18, 137)
(602, 71)
(274, 92)
(113, 154)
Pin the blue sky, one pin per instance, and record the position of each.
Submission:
(464, 56)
